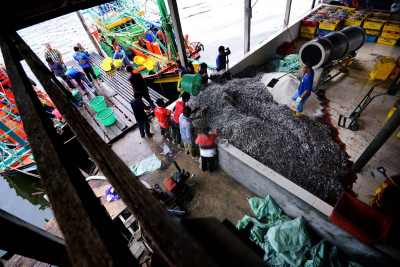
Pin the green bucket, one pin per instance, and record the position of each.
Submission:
(98, 103)
(106, 116)
(96, 71)
(191, 83)
(76, 94)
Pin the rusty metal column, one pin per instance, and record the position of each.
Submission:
(173, 9)
(247, 25)
(387, 130)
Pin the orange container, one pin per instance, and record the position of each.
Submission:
(149, 47)
(137, 52)
(139, 69)
(156, 48)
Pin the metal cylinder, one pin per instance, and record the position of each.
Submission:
(322, 50)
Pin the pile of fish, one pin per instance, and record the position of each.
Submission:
(299, 148)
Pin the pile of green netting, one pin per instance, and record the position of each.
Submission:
(286, 241)
(280, 63)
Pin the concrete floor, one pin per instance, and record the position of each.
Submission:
(345, 92)
(217, 195)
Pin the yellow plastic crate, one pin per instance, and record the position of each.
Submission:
(307, 35)
(308, 29)
(328, 26)
(382, 69)
(373, 24)
(396, 69)
(392, 110)
(349, 22)
(388, 41)
(395, 35)
(372, 32)
(391, 26)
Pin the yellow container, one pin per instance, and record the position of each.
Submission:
(106, 66)
(149, 65)
(395, 70)
(196, 66)
(308, 29)
(152, 60)
(328, 26)
(395, 35)
(118, 62)
(382, 69)
(372, 32)
(349, 22)
(139, 60)
(388, 41)
(307, 35)
(108, 60)
(373, 24)
(391, 26)
(392, 110)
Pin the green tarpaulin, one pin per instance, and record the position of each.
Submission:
(286, 241)
(148, 165)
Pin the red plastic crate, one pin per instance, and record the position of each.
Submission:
(285, 48)
(307, 23)
(360, 220)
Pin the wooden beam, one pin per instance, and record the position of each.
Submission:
(247, 25)
(175, 244)
(173, 9)
(88, 230)
(287, 13)
(91, 37)
(31, 241)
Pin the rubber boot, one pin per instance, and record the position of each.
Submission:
(298, 114)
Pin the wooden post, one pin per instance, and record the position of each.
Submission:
(31, 241)
(173, 242)
(91, 37)
(287, 13)
(88, 230)
(247, 25)
(173, 9)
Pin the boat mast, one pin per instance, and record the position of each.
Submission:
(166, 24)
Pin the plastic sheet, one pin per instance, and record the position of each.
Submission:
(279, 63)
(147, 165)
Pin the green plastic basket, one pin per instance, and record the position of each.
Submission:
(96, 71)
(191, 83)
(76, 94)
(106, 116)
(98, 103)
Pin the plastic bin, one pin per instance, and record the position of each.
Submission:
(328, 26)
(138, 60)
(350, 22)
(388, 34)
(117, 62)
(76, 94)
(308, 29)
(106, 116)
(98, 103)
(388, 41)
(360, 220)
(392, 26)
(373, 24)
(286, 48)
(371, 38)
(149, 37)
(96, 71)
(191, 83)
(382, 69)
(106, 66)
(307, 35)
(372, 32)
(323, 32)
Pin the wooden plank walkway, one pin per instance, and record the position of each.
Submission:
(118, 101)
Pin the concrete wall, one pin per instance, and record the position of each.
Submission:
(295, 202)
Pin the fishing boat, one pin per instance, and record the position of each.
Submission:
(125, 22)
(16, 155)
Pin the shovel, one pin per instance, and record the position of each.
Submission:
(274, 81)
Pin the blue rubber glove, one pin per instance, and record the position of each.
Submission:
(298, 100)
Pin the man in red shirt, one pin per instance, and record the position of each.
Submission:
(176, 132)
(164, 119)
(208, 148)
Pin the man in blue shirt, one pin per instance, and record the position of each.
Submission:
(141, 118)
(188, 133)
(221, 58)
(179, 66)
(78, 76)
(56, 67)
(304, 90)
(86, 64)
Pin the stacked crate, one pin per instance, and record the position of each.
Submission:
(309, 25)
(391, 30)
(373, 25)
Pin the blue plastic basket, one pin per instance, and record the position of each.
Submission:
(323, 32)
(372, 38)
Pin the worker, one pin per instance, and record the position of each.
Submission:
(164, 119)
(54, 54)
(188, 132)
(56, 67)
(208, 148)
(304, 91)
(141, 118)
(78, 76)
(86, 64)
(160, 35)
(82, 49)
(203, 72)
(139, 85)
(190, 69)
(179, 66)
(178, 109)
(221, 58)
(142, 43)
(120, 54)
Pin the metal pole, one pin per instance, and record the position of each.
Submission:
(247, 25)
(313, 4)
(395, 85)
(91, 37)
(173, 9)
(387, 130)
(287, 13)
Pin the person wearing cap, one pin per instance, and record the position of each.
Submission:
(120, 54)
(164, 119)
(141, 118)
(304, 91)
(208, 148)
